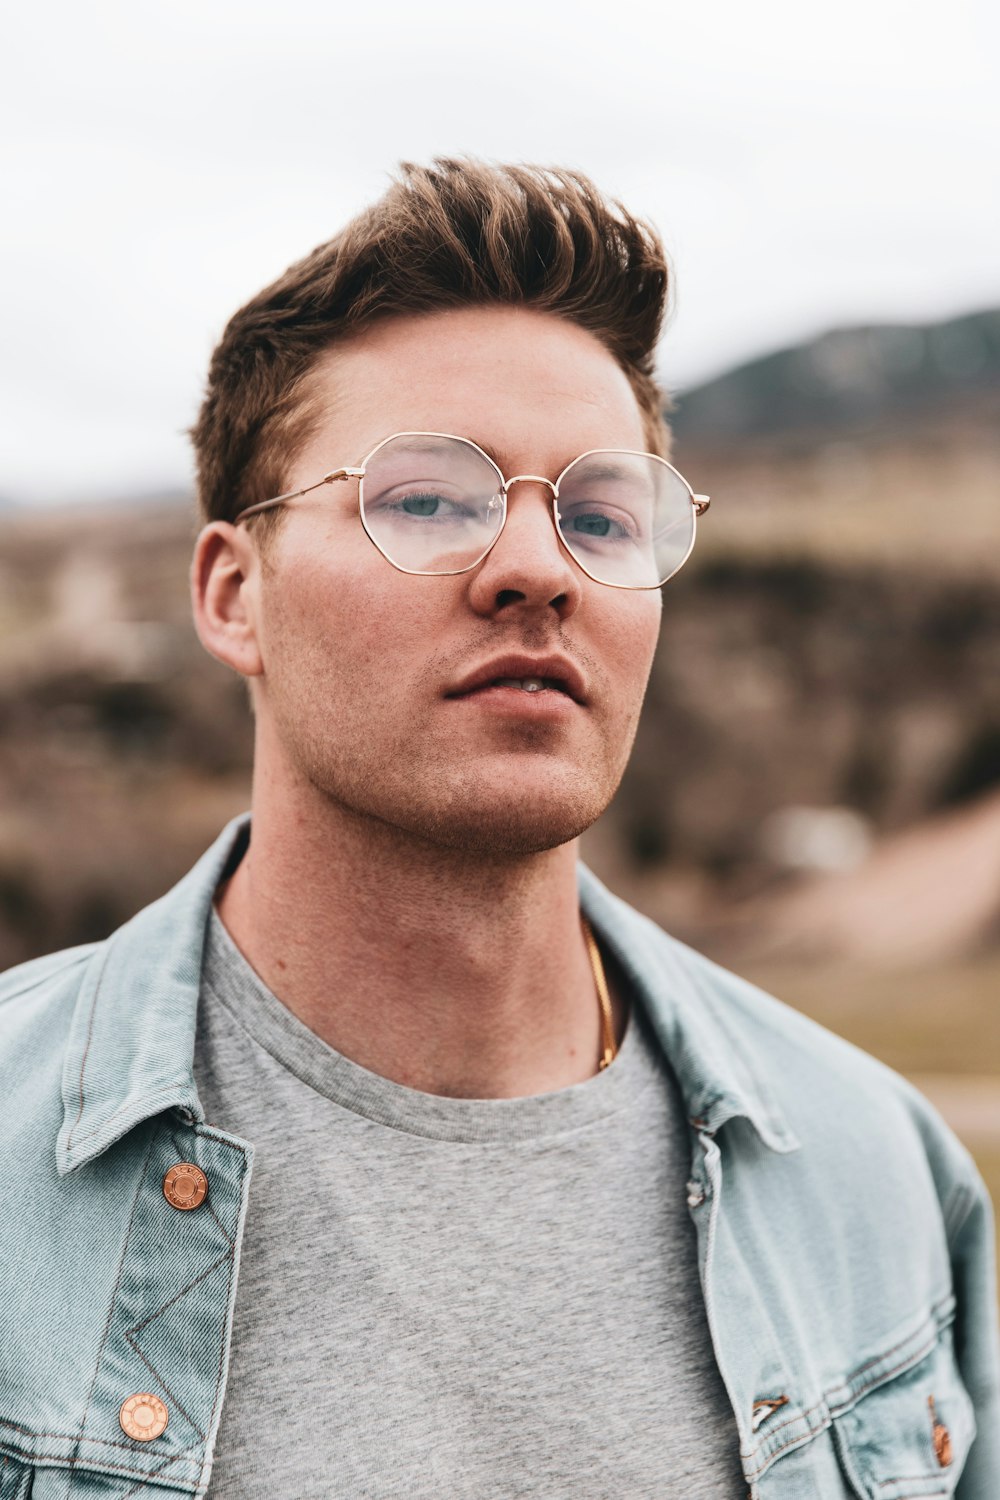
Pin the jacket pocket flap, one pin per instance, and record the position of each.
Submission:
(910, 1436)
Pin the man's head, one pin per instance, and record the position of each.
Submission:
(510, 306)
(457, 234)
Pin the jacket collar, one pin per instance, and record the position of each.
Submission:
(130, 1052)
(131, 1043)
(706, 1019)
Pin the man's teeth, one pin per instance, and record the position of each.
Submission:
(526, 684)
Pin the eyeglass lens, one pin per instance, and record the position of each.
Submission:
(435, 505)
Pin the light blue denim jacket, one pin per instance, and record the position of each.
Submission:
(845, 1238)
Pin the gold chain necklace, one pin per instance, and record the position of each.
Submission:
(609, 1050)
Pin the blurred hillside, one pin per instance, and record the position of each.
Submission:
(826, 681)
(827, 673)
(850, 380)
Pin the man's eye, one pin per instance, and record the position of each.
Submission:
(592, 525)
(598, 525)
(421, 505)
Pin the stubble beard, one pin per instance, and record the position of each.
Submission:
(533, 788)
(503, 807)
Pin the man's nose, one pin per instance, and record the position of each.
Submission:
(528, 565)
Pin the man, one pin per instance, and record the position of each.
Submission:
(543, 1202)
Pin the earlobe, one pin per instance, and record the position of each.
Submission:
(223, 573)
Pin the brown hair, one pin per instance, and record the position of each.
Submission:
(456, 233)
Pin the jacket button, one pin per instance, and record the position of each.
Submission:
(185, 1185)
(942, 1438)
(143, 1416)
(942, 1445)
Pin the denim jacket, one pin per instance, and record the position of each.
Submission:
(845, 1239)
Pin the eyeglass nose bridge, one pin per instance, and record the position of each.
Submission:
(530, 479)
(504, 492)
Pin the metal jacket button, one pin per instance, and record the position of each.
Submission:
(942, 1445)
(942, 1437)
(143, 1416)
(185, 1185)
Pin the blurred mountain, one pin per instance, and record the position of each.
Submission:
(849, 381)
(865, 448)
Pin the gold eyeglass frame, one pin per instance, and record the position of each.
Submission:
(699, 502)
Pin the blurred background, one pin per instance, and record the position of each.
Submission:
(814, 798)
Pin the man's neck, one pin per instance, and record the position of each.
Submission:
(447, 972)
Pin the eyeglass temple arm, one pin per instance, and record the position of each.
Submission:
(253, 510)
(701, 504)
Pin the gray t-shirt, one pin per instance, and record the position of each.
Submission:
(454, 1297)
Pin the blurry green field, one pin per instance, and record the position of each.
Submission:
(942, 1019)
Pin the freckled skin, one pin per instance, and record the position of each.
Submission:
(357, 657)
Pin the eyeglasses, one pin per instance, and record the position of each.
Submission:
(435, 503)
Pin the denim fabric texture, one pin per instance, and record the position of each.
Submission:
(846, 1243)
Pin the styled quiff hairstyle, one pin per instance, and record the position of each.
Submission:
(458, 233)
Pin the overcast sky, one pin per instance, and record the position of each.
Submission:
(161, 162)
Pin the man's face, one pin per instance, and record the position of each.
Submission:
(363, 665)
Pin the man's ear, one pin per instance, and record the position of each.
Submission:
(224, 572)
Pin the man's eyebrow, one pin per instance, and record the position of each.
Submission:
(432, 442)
(601, 472)
(606, 470)
(491, 453)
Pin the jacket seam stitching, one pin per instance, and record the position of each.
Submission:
(70, 1437)
(229, 1256)
(803, 1416)
(164, 1386)
(229, 1287)
(157, 1472)
(78, 1437)
(167, 1090)
(917, 1495)
(883, 1484)
(876, 1380)
(138, 1327)
(208, 1205)
(887, 1375)
(792, 1441)
(78, 1463)
(117, 1285)
(86, 1049)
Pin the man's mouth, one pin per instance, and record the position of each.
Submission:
(554, 675)
(528, 684)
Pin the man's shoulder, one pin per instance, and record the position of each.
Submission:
(793, 1049)
(39, 980)
(825, 1089)
(37, 1004)
(774, 1027)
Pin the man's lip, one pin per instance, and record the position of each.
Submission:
(556, 668)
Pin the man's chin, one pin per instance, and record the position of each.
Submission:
(502, 812)
(521, 821)
(507, 836)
